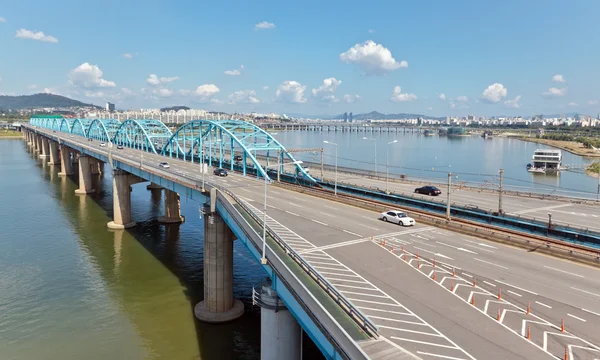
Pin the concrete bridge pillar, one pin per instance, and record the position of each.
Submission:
(96, 166)
(218, 305)
(38, 144)
(66, 166)
(172, 208)
(45, 148)
(280, 333)
(85, 176)
(122, 182)
(54, 158)
(153, 186)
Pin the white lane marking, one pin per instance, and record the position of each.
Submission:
(514, 293)
(326, 214)
(489, 246)
(351, 233)
(467, 275)
(322, 263)
(291, 213)
(577, 317)
(370, 227)
(489, 263)
(363, 294)
(273, 207)
(396, 320)
(296, 205)
(318, 222)
(336, 274)
(345, 243)
(330, 279)
(587, 292)
(374, 302)
(367, 217)
(439, 356)
(410, 331)
(539, 303)
(516, 287)
(542, 209)
(591, 312)
(275, 192)
(457, 248)
(434, 253)
(330, 207)
(328, 268)
(563, 271)
(422, 342)
(353, 287)
(489, 283)
(244, 189)
(385, 311)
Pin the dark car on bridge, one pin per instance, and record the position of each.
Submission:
(428, 190)
(237, 158)
(220, 172)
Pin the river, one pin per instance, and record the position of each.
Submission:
(471, 159)
(71, 289)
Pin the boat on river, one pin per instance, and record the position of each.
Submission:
(545, 161)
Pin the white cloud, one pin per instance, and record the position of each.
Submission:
(88, 76)
(326, 92)
(206, 92)
(558, 78)
(184, 92)
(291, 91)
(554, 92)
(49, 91)
(459, 102)
(373, 58)
(266, 87)
(371, 31)
(573, 104)
(494, 93)
(349, 99)
(2, 20)
(243, 96)
(94, 94)
(398, 96)
(235, 72)
(264, 25)
(128, 56)
(593, 102)
(155, 80)
(514, 103)
(164, 92)
(442, 97)
(32, 35)
(127, 92)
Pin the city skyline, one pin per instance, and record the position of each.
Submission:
(393, 58)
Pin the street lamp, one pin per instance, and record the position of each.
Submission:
(336, 162)
(263, 259)
(387, 165)
(375, 142)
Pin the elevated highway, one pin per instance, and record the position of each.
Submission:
(429, 292)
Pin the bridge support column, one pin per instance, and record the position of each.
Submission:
(66, 166)
(172, 208)
(280, 333)
(121, 200)
(85, 176)
(153, 186)
(96, 166)
(38, 144)
(54, 158)
(218, 305)
(45, 148)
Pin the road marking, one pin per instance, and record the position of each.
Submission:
(422, 342)
(542, 209)
(434, 253)
(489, 283)
(562, 271)
(396, 320)
(587, 292)
(326, 247)
(591, 312)
(489, 263)
(318, 222)
(385, 311)
(577, 317)
(457, 248)
(273, 207)
(244, 189)
(296, 205)
(326, 214)
(330, 279)
(322, 263)
(467, 275)
(363, 294)
(516, 287)
(489, 246)
(351, 233)
(439, 356)
(370, 227)
(410, 331)
(291, 213)
(374, 302)
(514, 293)
(539, 303)
(353, 287)
(336, 274)
(330, 207)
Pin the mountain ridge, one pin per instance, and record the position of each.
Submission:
(40, 100)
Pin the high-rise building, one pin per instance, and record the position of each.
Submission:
(350, 117)
(345, 117)
(110, 106)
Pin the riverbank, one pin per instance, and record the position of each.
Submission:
(10, 135)
(570, 146)
(593, 170)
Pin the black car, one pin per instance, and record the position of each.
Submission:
(428, 190)
(220, 172)
(90, 139)
(237, 158)
(120, 147)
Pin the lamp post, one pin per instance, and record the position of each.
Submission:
(375, 142)
(387, 165)
(263, 259)
(336, 163)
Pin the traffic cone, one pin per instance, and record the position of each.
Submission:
(452, 288)
(473, 300)
(392, 250)
(402, 248)
(433, 275)
(562, 325)
(417, 254)
(434, 263)
(528, 332)
(528, 308)
(404, 256)
(453, 272)
(418, 264)
(566, 353)
(499, 293)
(474, 282)
(498, 317)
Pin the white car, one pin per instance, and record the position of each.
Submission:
(164, 165)
(398, 217)
(102, 144)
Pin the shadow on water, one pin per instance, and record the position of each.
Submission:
(158, 296)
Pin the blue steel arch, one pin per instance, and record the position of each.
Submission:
(66, 125)
(189, 142)
(148, 135)
(80, 127)
(103, 129)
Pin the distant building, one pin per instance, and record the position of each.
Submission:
(110, 106)
(345, 117)
(350, 117)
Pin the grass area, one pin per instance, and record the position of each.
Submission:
(570, 146)
(593, 169)
(10, 133)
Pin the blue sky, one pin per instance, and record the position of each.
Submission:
(309, 57)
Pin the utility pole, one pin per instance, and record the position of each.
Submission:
(448, 201)
(500, 211)
(598, 193)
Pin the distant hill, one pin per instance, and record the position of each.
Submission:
(176, 108)
(39, 100)
(374, 115)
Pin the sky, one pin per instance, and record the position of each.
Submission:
(429, 57)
